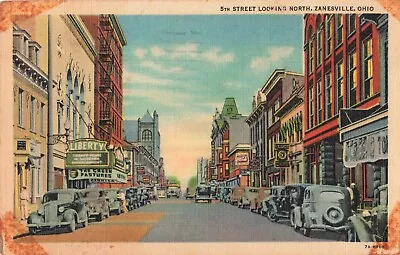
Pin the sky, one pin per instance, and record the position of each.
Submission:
(185, 66)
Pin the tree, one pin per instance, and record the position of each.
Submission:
(192, 182)
(173, 180)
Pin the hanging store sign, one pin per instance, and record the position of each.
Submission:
(87, 160)
(367, 148)
(87, 145)
(97, 174)
(118, 156)
(242, 159)
(281, 152)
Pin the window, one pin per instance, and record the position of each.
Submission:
(319, 46)
(328, 36)
(310, 106)
(339, 86)
(352, 80)
(220, 155)
(74, 125)
(270, 149)
(319, 102)
(276, 107)
(20, 107)
(226, 168)
(368, 68)
(42, 118)
(328, 95)
(270, 113)
(311, 56)
(339, 29)
(351, 21)
(32, 114)
(59, 116)
(147, 135)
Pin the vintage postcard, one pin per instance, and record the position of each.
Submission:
(199, 127)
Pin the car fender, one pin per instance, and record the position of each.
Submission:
(70, 214)
(297, 216)
(35, 218)
(361, 227)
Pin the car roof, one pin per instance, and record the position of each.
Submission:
(63, 191)
(317, 187)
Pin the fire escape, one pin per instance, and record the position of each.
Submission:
(106, 87)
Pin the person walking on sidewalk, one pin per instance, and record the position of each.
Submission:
(121, 197)
(355, 202)
(24, 196)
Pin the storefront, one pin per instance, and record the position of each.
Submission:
(364, 135)
(90, 163)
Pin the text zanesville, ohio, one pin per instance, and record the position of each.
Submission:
(296, 8)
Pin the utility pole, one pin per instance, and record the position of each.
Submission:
(50, 141)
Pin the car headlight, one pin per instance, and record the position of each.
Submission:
(61, 209)
(40, 211)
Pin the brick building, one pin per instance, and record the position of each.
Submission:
(109, 40)
(344, 69)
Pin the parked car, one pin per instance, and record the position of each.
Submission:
(145, 196)
(256, 202)
(115, 203)
(226, 196)
(59, 208)
(282, 206)
(275, 194)
(98, 203)
(161, 192)
(249, 194)
(139, 196)
(152, 193)
(371, 226)
(190, 193)
(173, 192)
(131, 198)
(203, 193)
(323, 207)
(236, 194)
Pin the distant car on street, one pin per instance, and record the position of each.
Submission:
(203, 193)
(236, 194)
(59, 208)
(190, 193)
(161, 192)
(249, 194)
(174, 190)
(115, 203)
(256, 202)
(97, 202)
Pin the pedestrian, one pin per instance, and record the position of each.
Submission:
(24, 196)
(121, 197)
(355, 202)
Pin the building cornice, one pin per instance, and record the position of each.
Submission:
(118, 30)
(82, 34)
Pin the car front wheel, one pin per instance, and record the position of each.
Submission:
(271, 215)
(72, 225)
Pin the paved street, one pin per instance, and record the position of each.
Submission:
(178, 220)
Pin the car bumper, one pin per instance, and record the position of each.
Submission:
(47, 225)
(330, 228)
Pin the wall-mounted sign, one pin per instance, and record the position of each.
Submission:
(87, 159)
(366, 148)
(97, 174)
(119, 158)
(21, 145)
(281, 155)
(242, 158)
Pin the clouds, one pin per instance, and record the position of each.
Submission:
(160, 68)
(273, 57)
(186, 51)
(139, 78)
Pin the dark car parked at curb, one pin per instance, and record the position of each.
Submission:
(249, 194)
(281, 206)
(59, 208)
(274, 195)
(324, 207)
(235, 195)
(115, 203)
(131, 198)
(190, 193)
(97, 202)
(371, 226)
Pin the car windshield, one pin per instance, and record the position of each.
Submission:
(94, 193)
(331, 196)
(203, 190)
(58, 196)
